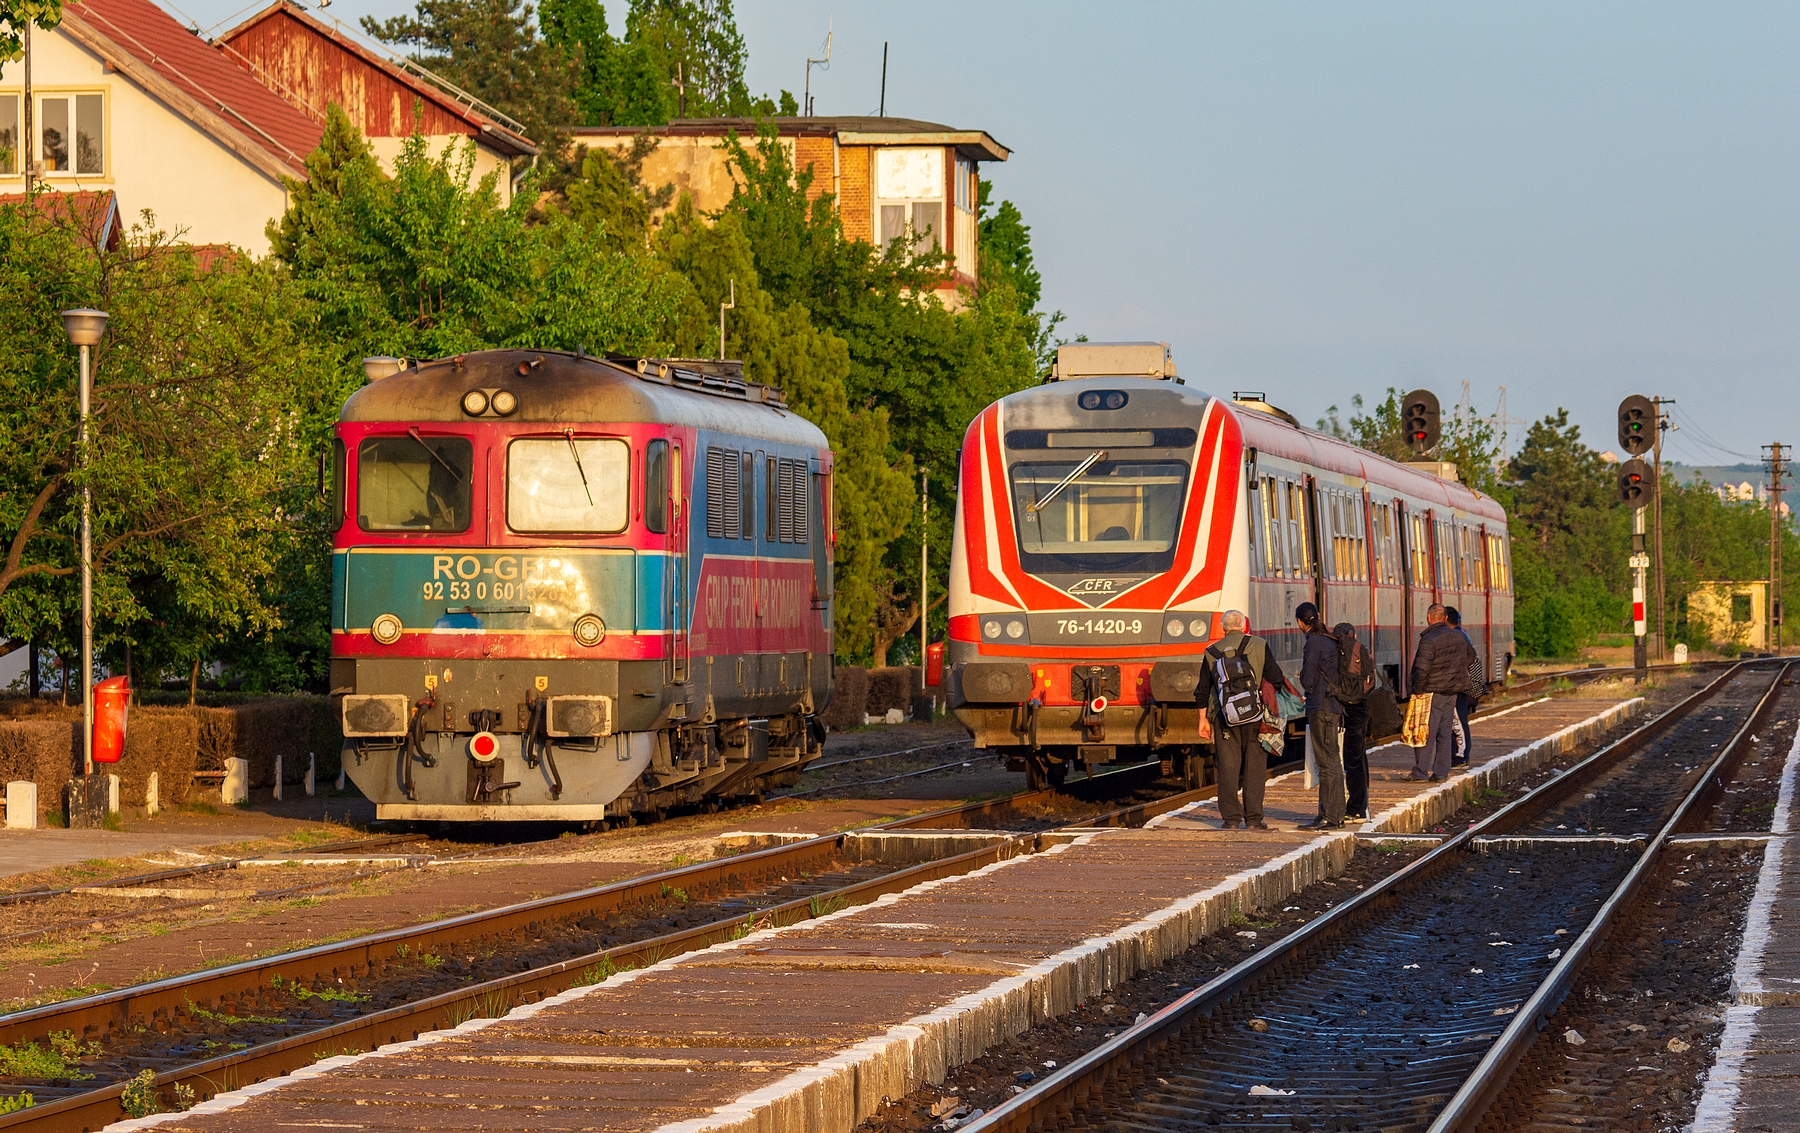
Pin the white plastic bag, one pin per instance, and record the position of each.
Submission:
(1312, 767)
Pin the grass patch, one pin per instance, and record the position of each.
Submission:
(490, 1006)
(332, 995)
(199, 1012)
(16, 1103)
(681, 859)
(198, 807)
(59, 1056)
(1239, 920)
(305, 902)
(57, 819)
(820, 908)
(431, 960)
(113, 821)
(599, 973)
(670, 893)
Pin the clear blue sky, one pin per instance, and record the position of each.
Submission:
(1575, 201)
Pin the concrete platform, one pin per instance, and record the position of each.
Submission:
(1754, 1083)
(808, 1028)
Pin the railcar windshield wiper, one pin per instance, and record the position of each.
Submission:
(455, 476)
(1093, 458)
(569, 435)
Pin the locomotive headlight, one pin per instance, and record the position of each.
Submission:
(1015, 629)
(1174, 628)
(990, 630)
(386, 629)
(589, 630)
(1089, 400)
(504, 402)
(1198, 628)
(475, 403)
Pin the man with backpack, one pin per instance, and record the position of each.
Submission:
(1231, 678)
(1324, 716)
(1440, 667)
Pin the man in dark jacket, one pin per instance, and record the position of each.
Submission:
(1324, 716)
(1240, 755)
(1441, 668)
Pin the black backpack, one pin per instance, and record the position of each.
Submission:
(1234, 683)
(1355, 668)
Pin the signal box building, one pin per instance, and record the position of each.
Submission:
(886, 173)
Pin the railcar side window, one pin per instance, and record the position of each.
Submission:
(414, 483)
(747, 496)
(1421, 552)
(1299, 550)
(568, 483)
(656, 487)
(1271, 529)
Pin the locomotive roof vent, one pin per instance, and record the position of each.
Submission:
(721, 378)
(1114, 360)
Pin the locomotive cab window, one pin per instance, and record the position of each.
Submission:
(414, 483)
(656, 487)
(568, 483)
(1116, 515)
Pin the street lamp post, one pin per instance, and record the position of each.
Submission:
(85, 327)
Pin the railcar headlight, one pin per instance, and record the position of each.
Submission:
(504, 402)
(589, 630)
(990, 630)
(475, 403)
(1198, 627)
(1015, 629)
(386, 629)
(1174, 628)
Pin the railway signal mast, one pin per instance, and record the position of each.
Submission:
(1637, 480)
(1777, 460)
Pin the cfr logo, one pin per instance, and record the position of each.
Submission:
(1102, 585)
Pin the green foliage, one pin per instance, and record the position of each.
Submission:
(14, 15)
(197, 388)
(140, 1098)
(611, 198)
(15, 1103)
(58, 1056)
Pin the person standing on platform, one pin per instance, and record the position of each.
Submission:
(1324, 716)
(1231, 678)
(1465, 701)
(1356, 745)
(1440, 667)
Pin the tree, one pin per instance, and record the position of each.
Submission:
(193, 426)
(610, 195)
(15, 14)
(929, 368)
(491, 48)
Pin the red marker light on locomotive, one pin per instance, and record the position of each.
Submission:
(483, 746)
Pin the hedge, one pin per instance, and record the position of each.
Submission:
(40, 741)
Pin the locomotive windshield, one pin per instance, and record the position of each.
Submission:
(568, 484)
(1114, 515)
(413, 483)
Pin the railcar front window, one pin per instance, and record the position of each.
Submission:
(1118, 515)
(568, 483)
(414, 483)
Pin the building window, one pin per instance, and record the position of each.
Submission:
(909, 192)
(9, 135)
(1740, 609)
(71, 134)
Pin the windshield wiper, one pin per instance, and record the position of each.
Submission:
(1093, 458)
(448, 467)
(569, 435)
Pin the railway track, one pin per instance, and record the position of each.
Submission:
(1408, 1007)
(364, 992)
(323, 1000)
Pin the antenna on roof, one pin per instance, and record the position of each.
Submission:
(882, 113)
(822, 64)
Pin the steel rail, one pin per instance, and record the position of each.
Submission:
(1052, 1102)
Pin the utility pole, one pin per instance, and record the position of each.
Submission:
(924, 577)
(1776, 462)
(1661, 423)
(882, 113)
(25, 147)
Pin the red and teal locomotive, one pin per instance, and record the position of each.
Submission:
(576, 588)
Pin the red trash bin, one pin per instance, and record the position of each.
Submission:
(934, 664)
(112, 702)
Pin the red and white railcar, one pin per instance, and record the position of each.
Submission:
(1108, 517)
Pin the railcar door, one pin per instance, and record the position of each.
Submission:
(678, 567)
(1317, 549)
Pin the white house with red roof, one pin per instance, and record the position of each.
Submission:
(203, 134)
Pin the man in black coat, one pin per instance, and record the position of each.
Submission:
(1324, 716)
(1441, 668)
